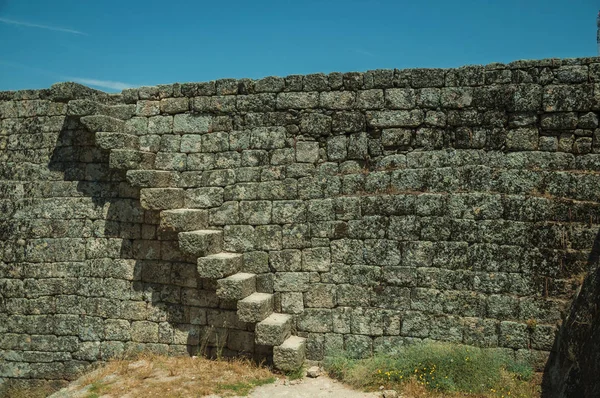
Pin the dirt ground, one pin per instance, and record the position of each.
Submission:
(189, 377)
(321, 386)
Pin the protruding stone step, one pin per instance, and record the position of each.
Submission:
(220, 265)
(96, 123)
(201, 243)
(129, 159)
(255, 307)
(236, 286)
(120, 111)
(110, 140)
(273, 330)
(152, 178)
(161, 198)
(183, 220)
(290, 355)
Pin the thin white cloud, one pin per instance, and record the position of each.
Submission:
(110, 84)
(35, 25)
(101, 83)
(363, 52)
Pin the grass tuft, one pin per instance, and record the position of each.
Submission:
(437, 368)
(296, 374)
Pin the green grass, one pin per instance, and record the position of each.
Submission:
(96, 389)
(243, 388)
(295, 374)
(438, 367)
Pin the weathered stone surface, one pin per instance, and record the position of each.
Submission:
(575, 355)
(97, 123)
(290, 355)
(378, 208)
(255, 307)
(116, 140)
(152, 178)
(396, 118)
(274, 329)
(291, 281)
(307, 152)
(337, 100)
(220, 265)
(297, 100)
(255, 212)
(126, 159)
(522, 139)
(201, 242)
(237, 286)
(185, 123)
(174, 105)
(207, 197)
(181, 220)
(161, 198)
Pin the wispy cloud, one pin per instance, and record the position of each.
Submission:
(363, 52)
(101, 83)
(109, 84)
(38, 26)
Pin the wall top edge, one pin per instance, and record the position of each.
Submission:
(66, 91)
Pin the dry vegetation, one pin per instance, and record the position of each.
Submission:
(35, 391)
(157, 376)
(166, 377)
(430, 370)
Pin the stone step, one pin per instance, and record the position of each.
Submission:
(220, 265)
(152, 178)
(111, 140)
(255, 307)
(273, 330)
(95, 123)
(88, 107)
(121, 111)
(201, 243)
(161, 198)
(129, 159)
(183, 220)
(290, 355)
(236, 286)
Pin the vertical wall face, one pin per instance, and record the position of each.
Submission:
(83, 276)
(379, 209)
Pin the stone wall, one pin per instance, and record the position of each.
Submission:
(379, 209)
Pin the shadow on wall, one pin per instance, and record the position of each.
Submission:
(142, 280)
(574, 364)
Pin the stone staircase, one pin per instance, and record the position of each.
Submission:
(159, 192)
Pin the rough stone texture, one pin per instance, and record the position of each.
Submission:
(202, 242)
(183, 219)
(220, 265)
(274, 330)
(161, 198)
(377, 208)
(575, 358)
(237, 286)
(255, 307)
(290, 355)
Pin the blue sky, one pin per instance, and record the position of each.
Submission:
(110, 44)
